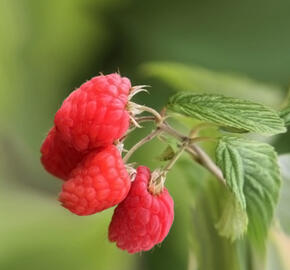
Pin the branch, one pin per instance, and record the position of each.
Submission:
(201, 157)
(142, 119)
(197, 153)
(168, 129)
(177, 155)
(146, 139)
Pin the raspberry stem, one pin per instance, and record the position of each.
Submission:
(145, 119)
(136, 121)
(177, 155)
(159, 176)
(158, 117)
(146, 139)
(203, 159)
(195, 151)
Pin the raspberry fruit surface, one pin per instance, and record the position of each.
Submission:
(142, 220)
(57, 157)
(98, 182)
(95, 114)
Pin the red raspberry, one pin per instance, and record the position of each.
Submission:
(95, 114)
(57, 157)
(98, 182)
(142, 220)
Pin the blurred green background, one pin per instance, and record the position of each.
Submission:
(48, 48)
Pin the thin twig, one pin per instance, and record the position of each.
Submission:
(146, 139)
(177, 155)
(197, 153)
(152, 111)
(142, 119)
(168, 129)
(158, 176)
(193, 154)
(207, 162)
(138, 121)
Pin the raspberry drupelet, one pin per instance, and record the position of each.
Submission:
(99, 181)
(57, 157)
(95, 114)
(143, 219)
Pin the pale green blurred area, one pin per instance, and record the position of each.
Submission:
(48, 48)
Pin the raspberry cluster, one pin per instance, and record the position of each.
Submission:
(80, 150)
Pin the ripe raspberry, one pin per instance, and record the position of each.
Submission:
(57, 157)
(95, 114)
(142, 220)
(98, 182)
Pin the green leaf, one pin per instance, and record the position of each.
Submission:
(202, 80)
(252, 173)
(167, 154)
(227, 111)
(231, 163)
(283, 212)
(233, 130)
(285, 115)
(285, 112)
(234, 220)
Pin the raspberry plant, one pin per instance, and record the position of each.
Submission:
(86, 149)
